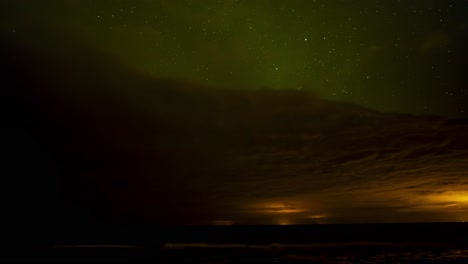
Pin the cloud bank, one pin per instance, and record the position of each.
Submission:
(123, 147)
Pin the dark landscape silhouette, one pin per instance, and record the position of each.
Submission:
(100, 154)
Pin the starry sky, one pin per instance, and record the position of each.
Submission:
(234, 112)
(397, 56)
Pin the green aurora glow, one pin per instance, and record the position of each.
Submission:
(400, 56)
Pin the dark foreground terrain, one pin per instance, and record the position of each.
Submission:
(363, 243)
(93, 149)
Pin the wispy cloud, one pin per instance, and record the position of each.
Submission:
(177, 152)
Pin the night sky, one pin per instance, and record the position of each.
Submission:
(399, 56)
(236, 112)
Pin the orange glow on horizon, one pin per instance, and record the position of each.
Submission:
(454, 197)
(317, 216)
(279, 208)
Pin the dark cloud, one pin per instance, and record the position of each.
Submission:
(122, 147)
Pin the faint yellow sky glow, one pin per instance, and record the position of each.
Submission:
(278, 208)
(458, 198)
(450, 201)
(317, 216)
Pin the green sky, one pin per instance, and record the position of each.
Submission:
(403, 56)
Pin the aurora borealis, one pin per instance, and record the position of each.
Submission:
(236, 112)
(396, 56)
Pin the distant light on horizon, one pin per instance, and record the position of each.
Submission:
(278, 208)
(317, 216)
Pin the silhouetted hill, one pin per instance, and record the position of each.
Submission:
(89, 141)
